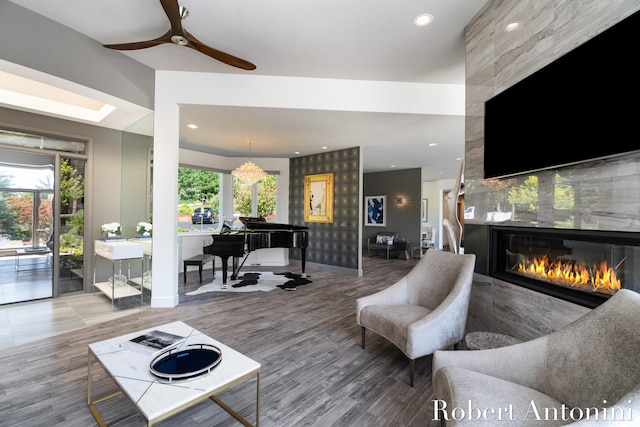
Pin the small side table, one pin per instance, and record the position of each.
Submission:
(487, 340)
(403, 252)
(416, 252)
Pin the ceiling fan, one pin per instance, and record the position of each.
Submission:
(181, 37)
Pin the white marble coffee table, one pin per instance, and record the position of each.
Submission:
(157, 400)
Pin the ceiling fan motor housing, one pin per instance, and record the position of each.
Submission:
(179, 40)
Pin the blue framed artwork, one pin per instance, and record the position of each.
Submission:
(375, 211)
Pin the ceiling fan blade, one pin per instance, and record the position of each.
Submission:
(166, 38)
(179, 36)
(228, 59)
(172, 10)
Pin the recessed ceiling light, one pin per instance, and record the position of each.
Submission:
(512, 26)
(433, 144)
(392, 166)
(296, 152)
(325, 147)
(192, 126)
(423, 19)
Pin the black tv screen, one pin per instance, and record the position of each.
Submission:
(581, 107)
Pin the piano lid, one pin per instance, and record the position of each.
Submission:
(251, 223)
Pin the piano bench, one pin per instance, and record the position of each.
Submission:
(198, 260)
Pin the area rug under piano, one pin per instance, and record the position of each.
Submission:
(262, 281)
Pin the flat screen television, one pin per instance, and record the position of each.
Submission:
(581, 107)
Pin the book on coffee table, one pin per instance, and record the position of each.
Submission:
(154, 342)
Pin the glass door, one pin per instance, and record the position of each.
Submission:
(70, 252)
(26, 226)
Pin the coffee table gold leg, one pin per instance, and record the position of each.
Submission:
(233, 413)
(258, 399)
(91, 403)
(237, 416)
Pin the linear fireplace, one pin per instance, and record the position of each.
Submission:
(580, 266)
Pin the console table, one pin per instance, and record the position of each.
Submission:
(147, 250)
(156, 400)
(117, 251)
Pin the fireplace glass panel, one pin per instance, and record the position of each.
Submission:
(582, 266)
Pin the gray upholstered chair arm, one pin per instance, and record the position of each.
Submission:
(521, 363)
(450, 317)
(394, 294)
(628, 403)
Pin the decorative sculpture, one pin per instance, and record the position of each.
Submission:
(451, 221)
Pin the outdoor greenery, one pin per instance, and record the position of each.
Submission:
(266, 197)
(16, 212)
(196, 184)
(71, 186)
(71, 242)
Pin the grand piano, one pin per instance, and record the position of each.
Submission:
(256, 234)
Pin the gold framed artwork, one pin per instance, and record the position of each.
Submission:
(318, 198)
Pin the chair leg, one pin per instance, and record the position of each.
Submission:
(412, 371)
(362, 332)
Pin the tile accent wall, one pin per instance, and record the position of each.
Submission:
(606, 193)
(333, 244)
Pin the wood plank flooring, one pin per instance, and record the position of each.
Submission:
(314, 371)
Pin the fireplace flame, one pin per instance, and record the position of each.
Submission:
(598, 278)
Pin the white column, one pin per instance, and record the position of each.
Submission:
(165, 201)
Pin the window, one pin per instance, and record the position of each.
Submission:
(21, 139)
(197, 188)
(258, 200)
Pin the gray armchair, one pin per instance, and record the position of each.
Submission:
(386, 241)
(425, 310)
(593, 364)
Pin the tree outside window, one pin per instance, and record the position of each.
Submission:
(266, 201)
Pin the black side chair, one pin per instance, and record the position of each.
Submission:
(386, 241)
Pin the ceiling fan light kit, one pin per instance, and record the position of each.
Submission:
(179, 36)
(184, 12)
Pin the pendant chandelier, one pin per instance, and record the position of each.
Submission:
(249, 173)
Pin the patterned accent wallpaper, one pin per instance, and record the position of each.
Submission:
(334, 244)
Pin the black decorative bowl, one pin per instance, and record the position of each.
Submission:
(190, 362)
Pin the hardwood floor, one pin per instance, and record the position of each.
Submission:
(314, 371)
